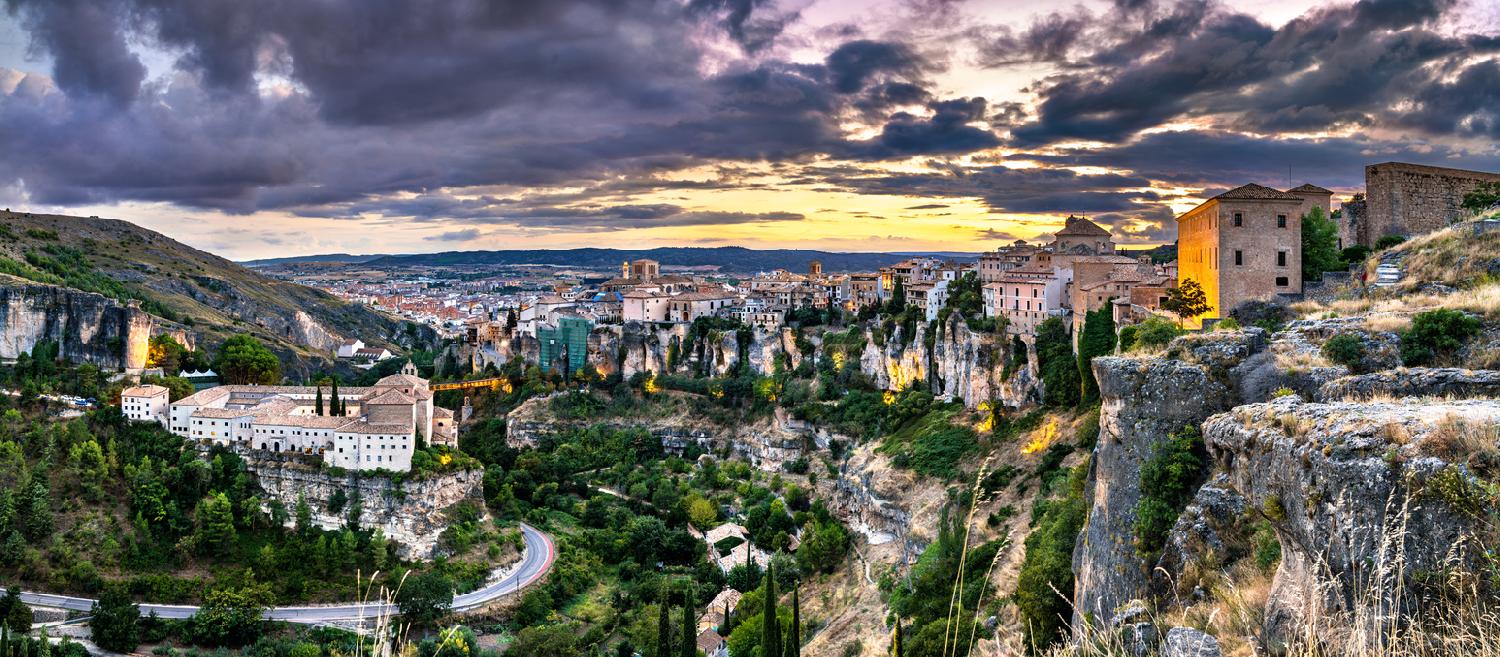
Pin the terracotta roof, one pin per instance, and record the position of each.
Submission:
(439, 411)
(1308, 187)
(307, 421)
(1081, 226)
(391, 397)
(399, 380)
(1254, 192)
(367, 428)
(144, 391)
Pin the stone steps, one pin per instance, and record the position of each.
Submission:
(1389, 272)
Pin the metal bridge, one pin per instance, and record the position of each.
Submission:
(494, 383)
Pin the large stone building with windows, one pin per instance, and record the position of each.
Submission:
(378, 429)
(1246, 244)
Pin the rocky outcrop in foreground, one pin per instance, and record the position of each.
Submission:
(1365, 498)
(1144, 401)
(412, 513)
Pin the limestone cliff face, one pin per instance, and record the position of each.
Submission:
(1360, 500)
(1144, 401)
(412, 514)
(87, 327)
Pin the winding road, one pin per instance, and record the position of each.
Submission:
(537, 559)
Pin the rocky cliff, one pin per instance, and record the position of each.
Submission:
(1144, 401)
(412, 513)
(1367, 500)
(87, 327)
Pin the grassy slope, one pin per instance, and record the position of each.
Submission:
(220, 297)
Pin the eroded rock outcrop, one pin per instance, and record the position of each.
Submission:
(1414, 382)
(87, 327)
(412, 513)
(1143, 402)
(1365, 498)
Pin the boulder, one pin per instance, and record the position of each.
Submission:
(1188, 642)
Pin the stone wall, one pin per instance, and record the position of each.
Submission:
(412, 514)
(1410, 199)
(88, 327)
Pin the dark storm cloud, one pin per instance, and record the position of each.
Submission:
(1210, 158)
(947, 131)
(1337, 66)
(746, 21)
(855, 64)
(1003, 189)
(538, 213)
(88, 49)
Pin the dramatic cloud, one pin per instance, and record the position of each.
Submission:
(631, 115)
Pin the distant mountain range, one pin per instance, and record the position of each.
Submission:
(727, 258)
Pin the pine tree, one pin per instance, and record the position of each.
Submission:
(689, 638)
(318, 402)
(770, 641)
(663, 629)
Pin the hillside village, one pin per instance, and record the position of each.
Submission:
(826, 425)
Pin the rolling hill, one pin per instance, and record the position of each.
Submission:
(727, 258)
(191, 292)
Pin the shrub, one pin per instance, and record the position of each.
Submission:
(1127, 337)
(1436, 334)
(1269, 315)
(1346, 349)
(1168, 480)
(1227, 324)
(1388, 241)
(1046, 577)
(1156, 332)
(1355, 254)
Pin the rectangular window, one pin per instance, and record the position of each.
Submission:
(1281, 281)
(1239, 257)
(1281, 221)
(1281, 258)
(1239, 219)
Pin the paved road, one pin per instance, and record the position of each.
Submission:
(537, 560)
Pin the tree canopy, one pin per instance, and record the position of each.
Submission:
(244, 360)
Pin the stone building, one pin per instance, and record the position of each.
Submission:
(1410, 199)
(1246, 244)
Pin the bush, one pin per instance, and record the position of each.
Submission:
(1388, 241)
(1269, 315)
(1436, 334)
(1045, 582)
(1346, 349)
(1168, 480)
(1156, 332)
(1355, 254)
(1127, 337)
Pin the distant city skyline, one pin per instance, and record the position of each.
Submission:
(279, 128)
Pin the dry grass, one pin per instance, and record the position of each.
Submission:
(1482, 300)
(1388, 322)
(1456, 616)
(1300, 361)
(1455, 439)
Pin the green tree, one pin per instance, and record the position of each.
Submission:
(335, 406)
(1169, 477)
(559, 640)
(215, 525)
(1320, 245)
(1045, 584)
(770, 639)
(689, 625)
(966, 295)
(318, 401)
(37, 507)
(1187, 300)
(244, 360)
(231, 616)
(664, 628)
(1098, 339)
(15, 614)
(794, 644)
(114, 620)
(1059, 368)
(897, 304)
(426, 598)
(824, 544)
(1483, 197)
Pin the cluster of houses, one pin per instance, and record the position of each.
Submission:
(1242, 244)
(373, 428)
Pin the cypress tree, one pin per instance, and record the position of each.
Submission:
(896, 650)
(689, 636)
(770, 641)
(663, 630)
(794, 647)
(318, 402)
(335, 408)
(1098, 339)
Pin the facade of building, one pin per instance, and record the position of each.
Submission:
(378, 430)
(146, 402)
(1244, 244)
(1410, 199)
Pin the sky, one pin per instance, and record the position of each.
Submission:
(287, 127)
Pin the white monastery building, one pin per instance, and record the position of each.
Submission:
(378, 430)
